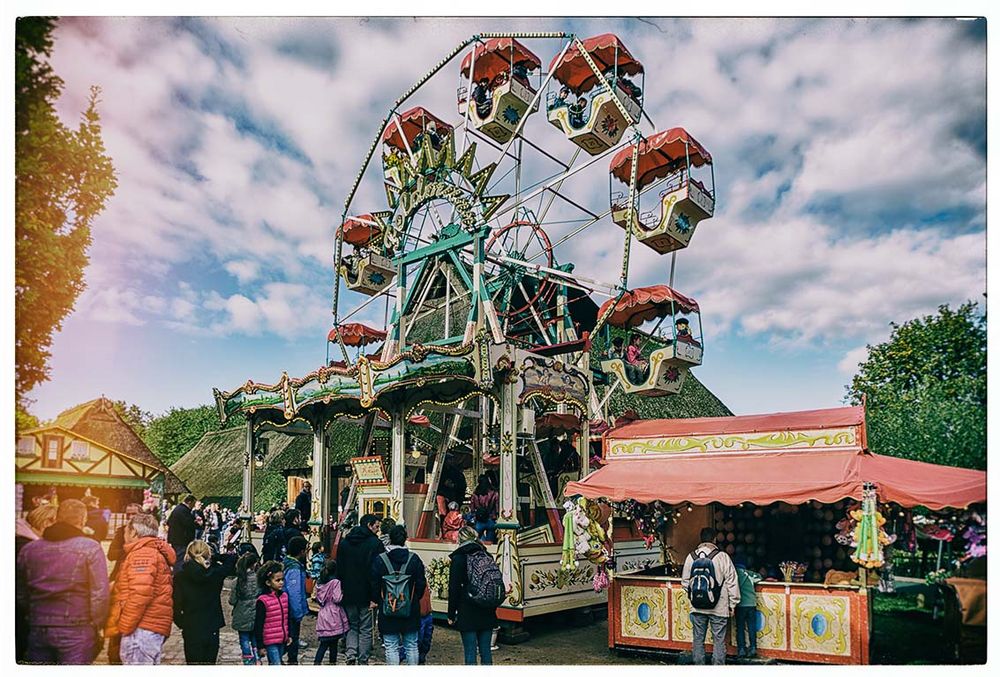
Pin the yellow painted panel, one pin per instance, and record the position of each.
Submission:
(680, 609)
(772, 633)
(644, 612)
(821, 624)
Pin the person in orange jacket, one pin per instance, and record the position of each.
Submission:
(142, 608)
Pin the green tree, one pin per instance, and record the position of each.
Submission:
(23, 419)
(136, 417)
(63, 178)
(925, 389)
(172, 435)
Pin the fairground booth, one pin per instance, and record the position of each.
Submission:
(797, 496)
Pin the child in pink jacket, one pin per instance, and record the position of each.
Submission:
(331, 624)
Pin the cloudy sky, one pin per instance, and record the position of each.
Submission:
(850, 168)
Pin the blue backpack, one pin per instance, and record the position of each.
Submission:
(704, 588)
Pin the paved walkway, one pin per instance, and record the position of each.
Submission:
(552, 643)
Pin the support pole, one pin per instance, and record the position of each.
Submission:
(248, 472)
(397, 460)
(320, 513)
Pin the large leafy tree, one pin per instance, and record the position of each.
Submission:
(172, 435)
(135, 416)
(925, 389)
(63, 178)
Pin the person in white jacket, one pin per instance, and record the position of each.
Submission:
(716, 617)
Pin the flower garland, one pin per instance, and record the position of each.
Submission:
(439, 575)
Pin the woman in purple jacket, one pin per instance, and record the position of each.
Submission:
(331, 624)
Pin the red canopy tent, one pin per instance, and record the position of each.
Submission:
(659, 155)
(496, 56)
(762, 477)
(645, 303)
(606, 50)
(356, 334)
(731, 478)
(359, 230)
(414, 121)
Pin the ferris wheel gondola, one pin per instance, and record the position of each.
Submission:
(501, 91)
(667, 366)
(615, 101)
(684, 200)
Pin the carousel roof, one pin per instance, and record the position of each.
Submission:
(646, 303)
(496, 56)
(359, 230)
(413, 121)
(356, 334)
(659, 155)
(606, 50)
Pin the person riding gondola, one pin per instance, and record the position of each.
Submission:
(520, 72)
(576, 113)
(432, 134)
(562, 99)
(634, 359)
(683, 332)
(483, 98)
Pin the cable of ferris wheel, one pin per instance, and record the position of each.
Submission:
(551, 182)
(598, 218)
(535, 99)
(371, 151)
(598, 286)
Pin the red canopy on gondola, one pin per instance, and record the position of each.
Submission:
(419, 419)
(414, 122)
(356, 334)
(659, 155)
(359, 230)
(644, 304)
(496, 56)
(606, 50)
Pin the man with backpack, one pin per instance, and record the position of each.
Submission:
(355, 555)
(400, 582)
(713, 589)
(475, 589)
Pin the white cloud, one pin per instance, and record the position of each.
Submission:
(858, 114)
(849, 364)
(244, 271)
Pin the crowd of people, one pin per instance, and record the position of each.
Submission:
(171, 572)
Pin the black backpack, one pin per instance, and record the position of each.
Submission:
(704, 587)
(485, 587)
(397, 589)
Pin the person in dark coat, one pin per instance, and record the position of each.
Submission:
(181, 527)
(354, 569)
(198, 601)
(399, 631)
(273, 535)
(95, 518)
(473, 621)
(293, 527)
(116, 551)
(303, 503)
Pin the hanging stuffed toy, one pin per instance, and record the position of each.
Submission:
(581, 525)
(869, 535)
(568, 560)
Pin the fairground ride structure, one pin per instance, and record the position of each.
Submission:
(486, 368)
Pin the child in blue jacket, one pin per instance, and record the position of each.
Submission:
(295, 586)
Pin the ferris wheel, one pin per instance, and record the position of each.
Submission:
(484, 204)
